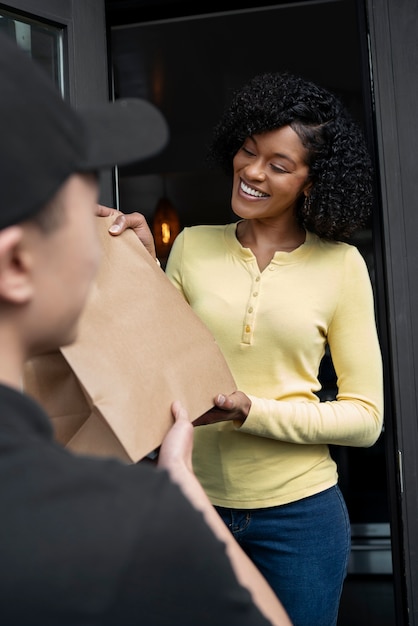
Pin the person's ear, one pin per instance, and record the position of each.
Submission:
(307, 189)
(15, 276)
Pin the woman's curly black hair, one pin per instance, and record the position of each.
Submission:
(340, 170)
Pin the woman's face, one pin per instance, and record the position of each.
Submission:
(270, 174)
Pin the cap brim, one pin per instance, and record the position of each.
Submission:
(122, 132)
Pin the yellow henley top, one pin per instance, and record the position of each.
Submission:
(273, 327)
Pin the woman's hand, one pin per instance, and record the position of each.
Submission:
(235, 407)
(136, 221)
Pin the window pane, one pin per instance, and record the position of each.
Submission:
(42, 41)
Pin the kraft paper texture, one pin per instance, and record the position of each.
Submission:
(139, 347)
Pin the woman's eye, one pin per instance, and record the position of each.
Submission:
(247, 151)
(278, 168)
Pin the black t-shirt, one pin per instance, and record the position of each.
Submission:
(86, 541)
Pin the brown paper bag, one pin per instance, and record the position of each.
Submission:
(139, 347)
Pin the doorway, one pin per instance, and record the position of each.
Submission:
(189, 64)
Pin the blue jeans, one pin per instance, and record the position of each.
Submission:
(302, 548)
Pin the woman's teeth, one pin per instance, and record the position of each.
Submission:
(252, 192)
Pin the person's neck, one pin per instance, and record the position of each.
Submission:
(272, 236)
(265, 239)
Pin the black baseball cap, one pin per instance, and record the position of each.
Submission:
(43, 140)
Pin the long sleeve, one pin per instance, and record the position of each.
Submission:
(355, 417)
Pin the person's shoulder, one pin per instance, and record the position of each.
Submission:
(205, 230)
(335, 249)
(128, 527)
(204, 237)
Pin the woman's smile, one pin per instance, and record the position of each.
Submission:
(248, 190)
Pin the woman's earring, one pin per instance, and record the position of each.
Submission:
(306, 204)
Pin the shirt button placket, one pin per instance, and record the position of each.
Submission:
(251, 310)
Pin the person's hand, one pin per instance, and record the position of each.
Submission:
(135, 221)
(235, 407)
(177, 446)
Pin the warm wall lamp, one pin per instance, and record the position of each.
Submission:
(165, 228)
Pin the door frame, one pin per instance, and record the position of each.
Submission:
(393, 28)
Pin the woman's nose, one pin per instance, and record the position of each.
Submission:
(255, 170)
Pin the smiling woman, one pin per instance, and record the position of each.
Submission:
(301, 184)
